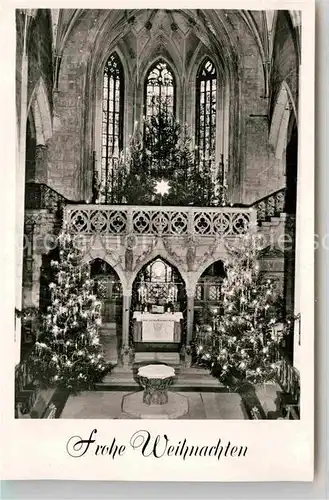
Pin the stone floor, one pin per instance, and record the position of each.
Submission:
(108, 404)
(201, 405)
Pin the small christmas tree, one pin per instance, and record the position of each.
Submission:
(245, 339)
(67, 352)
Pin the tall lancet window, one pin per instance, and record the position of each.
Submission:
(112, 126)
(206, 113)
(159, 89)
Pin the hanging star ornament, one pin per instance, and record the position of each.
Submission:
(162, 187)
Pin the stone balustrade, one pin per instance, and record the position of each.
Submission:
(161, 221)
(40, 196)
(270, 206)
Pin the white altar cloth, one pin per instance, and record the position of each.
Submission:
(158, 327)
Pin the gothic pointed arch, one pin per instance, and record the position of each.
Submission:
(39, 105)
(163, 254)
(159, 88)
(111, 261)
(108, 288)
(206, 110)
(281, 117)
(208, 290)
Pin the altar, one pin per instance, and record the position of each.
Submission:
(162, 328)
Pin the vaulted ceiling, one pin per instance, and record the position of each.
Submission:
(210, 26)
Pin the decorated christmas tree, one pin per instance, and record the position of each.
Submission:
(241, 345)
(67, 352)
(161, 148)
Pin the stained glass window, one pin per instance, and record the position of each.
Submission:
(112, 120)
(159, 89)
(206, 113)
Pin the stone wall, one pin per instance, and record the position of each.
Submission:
(66, 150)
(261, 172)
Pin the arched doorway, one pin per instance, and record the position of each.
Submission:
(290, 208)
(108, 288)
(30, 157)
(208, 293)
(158, 309)
(291, 169)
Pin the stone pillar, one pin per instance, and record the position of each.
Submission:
(20, 191)
(125, 355)
(302, 240)
(125, 319)
(190, 318)
(41, 163)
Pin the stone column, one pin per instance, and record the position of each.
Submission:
(41, 163)
(190, 318)
(125, 319)
(20, 190)
(302, 217)
(125, 354)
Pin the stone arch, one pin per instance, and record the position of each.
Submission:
(108, 287)
(283, 107)
(40, 107)
(208, 288)
(148, 62)
(224, 119)
(30, 148)
(162, 253)
(164, 260)
(109, 259)
(93, 119)
(291, 166)
(204, 266)
(155, 50)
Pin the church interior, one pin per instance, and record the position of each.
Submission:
(156, 138)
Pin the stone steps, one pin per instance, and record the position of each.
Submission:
(188, 379)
